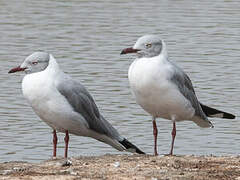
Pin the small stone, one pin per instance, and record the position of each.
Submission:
(6, 172)
(64, 171)
(116, 164)
(19, 169)
(67, 171)
(86, 163)
(67, 163)
(59, 164)
(72, 172)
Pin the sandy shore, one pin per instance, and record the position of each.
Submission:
(126, 167)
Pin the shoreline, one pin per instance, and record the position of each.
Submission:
(126, 167)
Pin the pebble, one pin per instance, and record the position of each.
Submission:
(19, 169)
(69, 171)
(6, 172)
(67, 163)
(116, 164)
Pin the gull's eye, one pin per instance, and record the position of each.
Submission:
(148, 45)
(34, 63)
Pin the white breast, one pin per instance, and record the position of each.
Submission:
(149, 79)
(50, 105)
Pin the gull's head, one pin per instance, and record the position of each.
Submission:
(36, 62)
(146, 46)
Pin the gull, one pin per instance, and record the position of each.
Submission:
(65, 104)
(163, 90)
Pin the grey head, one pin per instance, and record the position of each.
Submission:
(146, 46)
(36, 62)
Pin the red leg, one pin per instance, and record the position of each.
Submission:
(66, 139)
(55, 139)
(155, 133)
(173, 137)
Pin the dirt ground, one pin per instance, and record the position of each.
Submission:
(126, 167)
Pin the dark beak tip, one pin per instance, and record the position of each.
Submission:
(12, 71)
(123, 52)
(16, 69)
(129, 50)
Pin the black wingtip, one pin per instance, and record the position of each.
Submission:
(130, 147)
(229, 116)
(211, 112)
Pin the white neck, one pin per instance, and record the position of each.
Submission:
(53, 66)
(164, 53)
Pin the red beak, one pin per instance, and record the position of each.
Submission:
(13, 70)
(129, 50)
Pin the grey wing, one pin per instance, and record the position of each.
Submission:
(83, 103)
(185, 86)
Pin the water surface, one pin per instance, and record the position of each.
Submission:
(87, 37)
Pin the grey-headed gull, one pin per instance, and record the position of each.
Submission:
(163, 90)
(65, 104)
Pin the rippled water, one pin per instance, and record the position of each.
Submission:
(86, 38)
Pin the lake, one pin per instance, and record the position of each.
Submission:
(86, 38)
